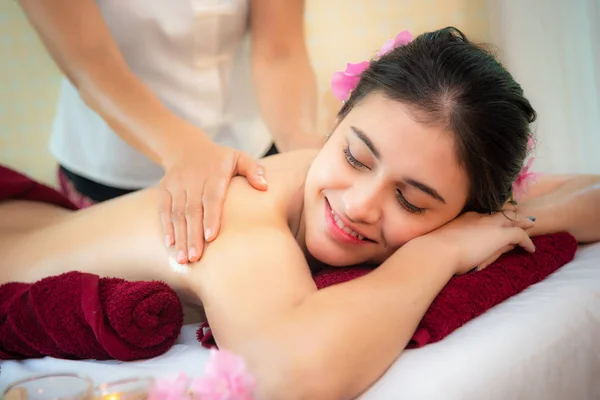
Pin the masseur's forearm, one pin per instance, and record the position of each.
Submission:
(573, 206)
(287, 95)
(342, 338)
(77, 38)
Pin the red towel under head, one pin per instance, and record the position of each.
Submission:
(467, 296)
(79, 316)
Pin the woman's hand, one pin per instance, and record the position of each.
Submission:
(476, 240)
(193, 190)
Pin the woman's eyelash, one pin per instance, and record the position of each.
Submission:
(405, 203)
(351, 160)
(408, 205)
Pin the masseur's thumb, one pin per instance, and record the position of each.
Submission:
(252, 170)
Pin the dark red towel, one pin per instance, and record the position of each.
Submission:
(79, 316)
(467, 296)
(14, 185)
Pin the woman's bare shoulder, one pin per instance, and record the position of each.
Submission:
(253, 221)
(285, 174)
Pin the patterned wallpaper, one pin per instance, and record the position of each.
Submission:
(338, 31)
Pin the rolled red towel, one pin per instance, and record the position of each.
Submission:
(79, 316)
(467, 296)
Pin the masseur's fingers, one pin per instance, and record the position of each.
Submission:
(178, 218)
(252, 170)
(194, 213)
(164, 208)
(213, 199)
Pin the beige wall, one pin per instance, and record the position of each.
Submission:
(338, 31)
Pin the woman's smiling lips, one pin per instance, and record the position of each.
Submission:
(341, 229)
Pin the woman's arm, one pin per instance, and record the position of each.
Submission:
(302, 343)
(565, 203)
(285, 81)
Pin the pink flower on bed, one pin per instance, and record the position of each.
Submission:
(226, 378)
(401, 39)
(524, 179)
(344, 82)
(166, 389)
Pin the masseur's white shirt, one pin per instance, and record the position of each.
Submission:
(194, 55)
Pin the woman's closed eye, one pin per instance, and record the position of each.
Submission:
(352, 160)
(407, 205)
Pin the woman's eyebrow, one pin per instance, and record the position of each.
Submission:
(425, 189)
(409, 181)
(365, 139)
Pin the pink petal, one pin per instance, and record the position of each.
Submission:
(356, 69)
(530, 144)
(525, 178)
(342, 84)
(386, 48)
(402, 39)
(165, 389)
(226, 378)
(219, 388)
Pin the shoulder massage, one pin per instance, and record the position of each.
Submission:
(417, 177)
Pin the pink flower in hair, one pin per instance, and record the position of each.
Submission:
(344, 82)
(165, 389)
(530, 144)
(226, 378)
(401, 39)
(524, 179)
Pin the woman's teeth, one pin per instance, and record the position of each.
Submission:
(343, 227)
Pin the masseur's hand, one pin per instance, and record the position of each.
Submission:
(192, 193)
(476, 240)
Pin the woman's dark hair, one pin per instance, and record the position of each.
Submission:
(445, 79)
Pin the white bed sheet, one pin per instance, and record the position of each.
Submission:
(541, 344)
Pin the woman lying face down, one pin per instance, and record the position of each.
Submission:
(435, 130)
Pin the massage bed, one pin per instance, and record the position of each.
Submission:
(543, 343)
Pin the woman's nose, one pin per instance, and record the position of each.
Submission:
(361, 204)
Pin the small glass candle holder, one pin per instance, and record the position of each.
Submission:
(51, 387)
(126, 389)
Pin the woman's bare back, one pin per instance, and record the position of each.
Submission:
(123, 237)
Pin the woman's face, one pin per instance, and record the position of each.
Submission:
(381, 180)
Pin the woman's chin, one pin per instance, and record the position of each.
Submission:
(333, 257)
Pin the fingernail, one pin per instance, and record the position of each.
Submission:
(261, 170)
(532, 219)
(193, 253)
(181, 258)
(208, 233)
(168, 240)
(262, 180)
